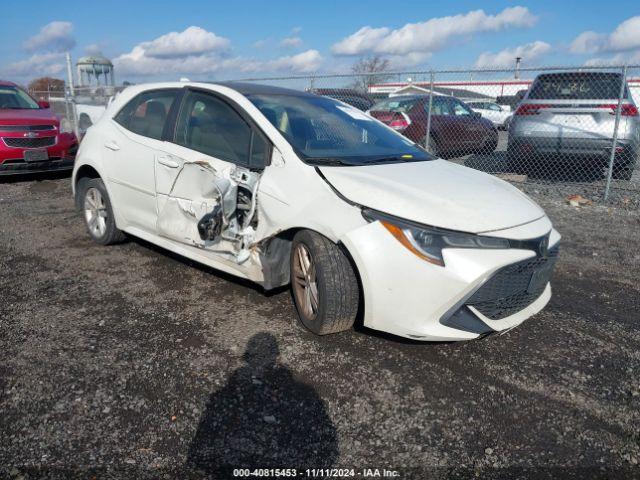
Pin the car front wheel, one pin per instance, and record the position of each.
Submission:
(97, 212)
(324, 284)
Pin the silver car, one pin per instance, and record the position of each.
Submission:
(570, 117)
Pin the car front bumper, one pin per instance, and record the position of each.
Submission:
(407, 296)
(61, 157)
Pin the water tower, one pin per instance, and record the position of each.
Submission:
(95, 70)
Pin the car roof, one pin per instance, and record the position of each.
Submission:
(249, 88)
(407, 97)
(4, 83)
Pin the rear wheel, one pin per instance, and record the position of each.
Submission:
(97, 212)
(622, 173)
(324, 284)
(490, 144)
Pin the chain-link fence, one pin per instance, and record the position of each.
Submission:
(568, 130)
(80, 108)
(572, 130)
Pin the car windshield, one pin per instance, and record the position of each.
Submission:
(16, 99)
(576, 86)
(395, 105)
(324, 131)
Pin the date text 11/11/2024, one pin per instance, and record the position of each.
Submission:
(317, 473)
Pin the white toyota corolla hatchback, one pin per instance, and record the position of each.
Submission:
(280, 186)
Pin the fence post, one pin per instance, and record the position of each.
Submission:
(615, 134)
(426, 138)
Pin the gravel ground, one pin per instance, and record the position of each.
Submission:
(129, 362)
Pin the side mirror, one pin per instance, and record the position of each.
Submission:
(43, 104)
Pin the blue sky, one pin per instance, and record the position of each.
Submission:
(252, 38)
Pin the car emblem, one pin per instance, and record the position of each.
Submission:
(543, 247)
(30, 135)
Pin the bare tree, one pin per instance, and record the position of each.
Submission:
(370, 70)
(46, 84)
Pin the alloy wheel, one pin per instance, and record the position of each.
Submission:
(95, 212)
(305, 285)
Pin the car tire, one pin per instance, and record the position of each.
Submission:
(622, 173)
(94, 203)
(514, 163)
(323, 283)
(490, 144)
(433, 148)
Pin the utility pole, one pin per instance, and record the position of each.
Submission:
(70, 74)
(517, 72)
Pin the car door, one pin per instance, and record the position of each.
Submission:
(216, 153)
(444, 124)
(132, 141)
(471, 131)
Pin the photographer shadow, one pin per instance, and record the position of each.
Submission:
(263, 418)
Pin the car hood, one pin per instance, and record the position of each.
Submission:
(27, 116)
(437, 193)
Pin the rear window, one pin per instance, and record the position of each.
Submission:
(395, 105)
(576, 86)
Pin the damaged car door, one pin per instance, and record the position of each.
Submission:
(207, 179)
(131, 144)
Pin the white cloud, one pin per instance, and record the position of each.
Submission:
(192, 41)
(291, 42)
(262, 43)
(53, 37)
(588, 42)
(199, 52)
(506, 58)
(625, 37)
(52, 63)
(431, 35)
(615, 60)
(93, 49)
(305, 62)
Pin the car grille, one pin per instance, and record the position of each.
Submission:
(29, 142)
(513, 287)
(26, 128)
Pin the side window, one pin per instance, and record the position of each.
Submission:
(460, 109)
(146, 114)
(211, 126)
(439, 106)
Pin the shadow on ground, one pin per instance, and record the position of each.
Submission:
(263, 418)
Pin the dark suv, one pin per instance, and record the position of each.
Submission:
(455, 128)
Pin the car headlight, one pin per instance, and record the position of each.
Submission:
(428, 242)
(65, 126)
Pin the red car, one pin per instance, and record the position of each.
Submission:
(31, 137)
(455, 128)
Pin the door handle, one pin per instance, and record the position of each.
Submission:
(167, 162)
(112, 146)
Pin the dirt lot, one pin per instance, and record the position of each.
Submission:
(128, 362)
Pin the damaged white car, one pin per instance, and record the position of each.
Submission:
(285, 187)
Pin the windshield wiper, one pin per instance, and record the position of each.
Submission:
(391, 160)
(327, 161)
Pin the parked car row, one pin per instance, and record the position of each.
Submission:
(452, 128)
